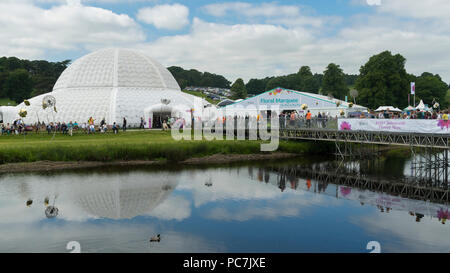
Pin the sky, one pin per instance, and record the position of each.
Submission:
(246, 39)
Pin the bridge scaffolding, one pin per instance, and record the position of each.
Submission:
(429, 151)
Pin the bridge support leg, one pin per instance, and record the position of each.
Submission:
(430, 166)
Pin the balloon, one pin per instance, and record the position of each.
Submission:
(22, 113)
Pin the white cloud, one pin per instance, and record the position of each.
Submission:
(258, 50)
(233, 50)
(289, 15)
(427, 236)
(250, 10)
(30, 31)
(432, 9)
(271, 39)
(173, 17)
(173, 208)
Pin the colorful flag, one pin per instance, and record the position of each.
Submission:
(413, 88)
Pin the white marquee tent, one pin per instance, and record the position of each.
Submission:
(111, 84)
(285, 99)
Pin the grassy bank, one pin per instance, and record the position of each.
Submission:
(137, 145)
(7, 102)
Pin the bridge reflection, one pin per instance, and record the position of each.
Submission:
(356, 181)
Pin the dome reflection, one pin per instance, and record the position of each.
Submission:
(124, 199)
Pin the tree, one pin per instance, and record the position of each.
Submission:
(447, 99)
(306, 81)
(19, 85)
(277, 82)
(256, 86)
(334, 82)
(196, 78)
(383, 81)
(238, 90)
(430, 87)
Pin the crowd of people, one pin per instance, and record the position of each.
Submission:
(404, 115)
(18, 127)
(287, 119)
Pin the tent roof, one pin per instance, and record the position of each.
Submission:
(388, 108)
(422, 106)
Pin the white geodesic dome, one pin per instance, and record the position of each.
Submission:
(110, 84)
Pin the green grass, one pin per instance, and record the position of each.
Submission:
(4, 102)
(201, 95)
(133, 145)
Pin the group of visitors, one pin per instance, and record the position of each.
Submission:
(298, 119)
(18, 127)
(406, 115)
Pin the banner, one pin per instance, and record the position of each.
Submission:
(426, 126)
(413, 88)
(384, 201)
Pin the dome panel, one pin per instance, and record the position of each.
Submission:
(116, 68)
(93, 70)
(134, 70)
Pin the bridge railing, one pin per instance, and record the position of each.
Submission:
(327, 123)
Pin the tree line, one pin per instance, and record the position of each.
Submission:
(383, 80)
(22, 79)
(194, 77)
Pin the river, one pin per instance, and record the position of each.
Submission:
(249, 207)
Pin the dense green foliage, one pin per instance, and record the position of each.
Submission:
(334, 82)
(21, 79)
(303, 80)
(447, 99)
(383, 81)
(136, 145)
(238, 90)
(196, 78)
(431, 88)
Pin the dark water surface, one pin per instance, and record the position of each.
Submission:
(234, 208)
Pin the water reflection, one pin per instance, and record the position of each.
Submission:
(124, 198)
(216, 209)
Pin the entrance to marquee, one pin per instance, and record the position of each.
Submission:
(159, 118)
(156, 115)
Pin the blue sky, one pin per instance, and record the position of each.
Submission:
(248, 39)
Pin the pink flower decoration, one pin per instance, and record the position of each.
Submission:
(345, 126)
(345, 191)
(444, 124)
(441, 214)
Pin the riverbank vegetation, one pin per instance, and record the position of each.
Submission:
(133, 145)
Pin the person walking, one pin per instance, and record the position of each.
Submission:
(308, 119)
(141, 126)
(124, 126)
